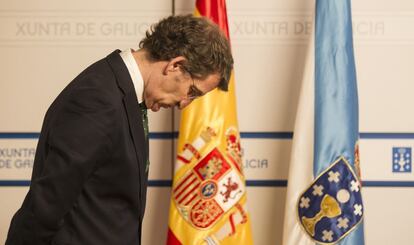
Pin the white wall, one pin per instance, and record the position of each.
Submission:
(269, 40)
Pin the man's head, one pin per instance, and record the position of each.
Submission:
(193, 55)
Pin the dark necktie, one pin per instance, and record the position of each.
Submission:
(145, 124)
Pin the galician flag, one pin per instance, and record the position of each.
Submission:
(208, 199)
(324, 202)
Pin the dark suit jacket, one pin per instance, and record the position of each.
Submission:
(89, 181)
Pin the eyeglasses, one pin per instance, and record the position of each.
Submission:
(193, 91)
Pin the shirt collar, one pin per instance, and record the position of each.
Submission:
(134, 72)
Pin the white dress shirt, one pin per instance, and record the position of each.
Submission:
(134, 72)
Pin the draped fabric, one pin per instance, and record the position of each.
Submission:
(208, 199)
(324, 201)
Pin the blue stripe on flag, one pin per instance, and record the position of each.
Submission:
(336, 98)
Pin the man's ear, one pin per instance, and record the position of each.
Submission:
(174, 64)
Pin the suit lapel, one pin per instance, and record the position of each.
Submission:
(133, 112)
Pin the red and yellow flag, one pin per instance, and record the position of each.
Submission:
(208, 199)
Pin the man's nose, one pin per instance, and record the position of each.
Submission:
(183, 103)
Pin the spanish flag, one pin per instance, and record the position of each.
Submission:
(208, 199)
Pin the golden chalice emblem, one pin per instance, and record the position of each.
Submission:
(329, 208)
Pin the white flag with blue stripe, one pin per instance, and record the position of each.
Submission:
(324, 201)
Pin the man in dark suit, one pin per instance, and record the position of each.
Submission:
(90, 172)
